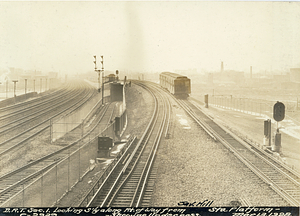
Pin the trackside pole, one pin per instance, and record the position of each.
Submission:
(51, 130)
(277, 142)
(278, 115)
(206, 100)
(267, 133)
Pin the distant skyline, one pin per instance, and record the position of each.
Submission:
(149, 36)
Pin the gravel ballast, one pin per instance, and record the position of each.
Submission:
(194, 168)
(139, 105)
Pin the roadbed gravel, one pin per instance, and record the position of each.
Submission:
(195, 168)
(139, 105)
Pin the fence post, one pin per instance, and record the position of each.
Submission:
(42, 186)
(51, 131)
(23, 200)
(56, 184)
(69, 170)
(79, 160)
(81, 143)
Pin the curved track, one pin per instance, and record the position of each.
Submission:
(284, 181)
(130, 181)
(15, 180)
(20, 109)
(17, 133)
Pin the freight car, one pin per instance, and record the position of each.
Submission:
(178, 85)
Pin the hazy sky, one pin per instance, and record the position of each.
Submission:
(150, 36)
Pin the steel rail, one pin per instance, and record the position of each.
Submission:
(168, 124)
(149, 162)
(256, 170)
(54, 153)
(34, 100)
(74, 107)
(23, 141)
(205, 127)
(169, 104)
(121, 167)
(28, 105)
(151, 157)
(136, 153)
(51, 163)
(260, 153)
(99, 183)
(32, 117)
(69, 92)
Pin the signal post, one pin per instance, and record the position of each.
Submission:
(278, 115)
(99, 71)
(267, 133)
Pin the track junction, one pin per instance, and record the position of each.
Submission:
(130, 178)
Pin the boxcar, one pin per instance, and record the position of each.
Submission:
(178, 85)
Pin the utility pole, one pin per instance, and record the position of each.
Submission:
(40, 85)
(6, 87)
(25, 86)
(34, 85)
(98, 71)
(46, 84)
(15, 85)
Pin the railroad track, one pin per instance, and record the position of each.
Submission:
(283, 180)
(36, 124)
(16, 116)
(14, 181)
(20, 109)
(7, 110)
(19, 118)
(131, 180)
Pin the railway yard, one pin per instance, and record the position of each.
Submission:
(167, 152)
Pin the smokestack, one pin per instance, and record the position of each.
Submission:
(250, 72)
(222, 67)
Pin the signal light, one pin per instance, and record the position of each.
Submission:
(278, 111)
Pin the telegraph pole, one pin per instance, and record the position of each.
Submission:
(40, 85)
(6, 87)
(15, 85)
(99, 71)
(34, 85)
(25, 86)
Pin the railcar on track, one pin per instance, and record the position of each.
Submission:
(176, 84)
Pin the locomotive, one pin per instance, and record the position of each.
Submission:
(178, 85)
